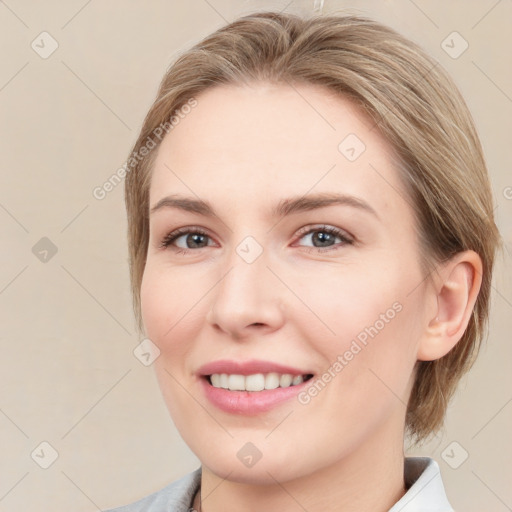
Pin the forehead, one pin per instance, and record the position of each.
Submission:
(248, 145)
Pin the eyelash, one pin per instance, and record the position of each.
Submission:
(174, 235)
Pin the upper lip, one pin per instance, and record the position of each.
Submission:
(248, 368)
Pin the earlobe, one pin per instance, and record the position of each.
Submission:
(456, 289)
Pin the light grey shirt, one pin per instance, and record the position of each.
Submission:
(425, 491)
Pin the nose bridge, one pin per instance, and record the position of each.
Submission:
(246, 294)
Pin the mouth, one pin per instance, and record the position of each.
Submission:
(251, 387)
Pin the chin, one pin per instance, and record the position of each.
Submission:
(262, 463)
(261, 473)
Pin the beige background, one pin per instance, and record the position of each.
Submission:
(68, 373)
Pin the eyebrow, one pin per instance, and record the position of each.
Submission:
(284, 207)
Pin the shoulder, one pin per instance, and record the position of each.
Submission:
(177, 496)
(425, 489)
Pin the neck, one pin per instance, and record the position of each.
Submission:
(370, 478)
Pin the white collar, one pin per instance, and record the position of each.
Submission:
(425, 489)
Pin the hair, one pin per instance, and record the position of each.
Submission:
(415, 106)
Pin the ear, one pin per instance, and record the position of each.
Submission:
(457, 284)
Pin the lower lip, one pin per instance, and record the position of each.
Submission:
(249, 402)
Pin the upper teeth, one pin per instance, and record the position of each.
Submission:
(256, 382)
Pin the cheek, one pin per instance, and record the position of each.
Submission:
(165, 299)
(365, 325)
(347, 303)
(155, 306)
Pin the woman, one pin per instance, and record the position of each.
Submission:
(311, 249)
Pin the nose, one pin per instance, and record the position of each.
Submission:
(247, 300)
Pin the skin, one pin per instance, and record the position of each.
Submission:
(243, 149)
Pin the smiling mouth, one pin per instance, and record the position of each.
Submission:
(256, 382)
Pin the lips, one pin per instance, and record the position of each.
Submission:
(248, 368)
(250, 387)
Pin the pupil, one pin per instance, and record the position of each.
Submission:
(196, 236)
(323, 236)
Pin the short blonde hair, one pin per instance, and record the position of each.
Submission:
(415, 106)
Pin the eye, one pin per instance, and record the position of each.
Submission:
(193, 236)
(325, 236)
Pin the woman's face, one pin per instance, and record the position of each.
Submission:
(279, 284)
